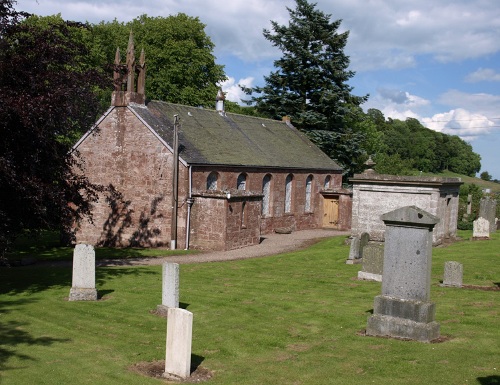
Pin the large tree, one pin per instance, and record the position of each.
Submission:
(47, 96)
(310, 83)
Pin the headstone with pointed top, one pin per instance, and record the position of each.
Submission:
(404, 310)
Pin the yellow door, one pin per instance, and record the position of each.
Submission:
(331, 212)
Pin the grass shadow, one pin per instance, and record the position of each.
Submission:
(490, 380)
(13, 333)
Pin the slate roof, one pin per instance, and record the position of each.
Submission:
(207, 138)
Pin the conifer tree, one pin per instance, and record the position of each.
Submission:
(310, 80)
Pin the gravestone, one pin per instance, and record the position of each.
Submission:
(403, 310)
(170, 288)
(481, 229)
(179, 342)
(487, 210)
(453, 274)
(373, 262)
(357, 246)
(469, 204)
(497, 223)
(83, 285)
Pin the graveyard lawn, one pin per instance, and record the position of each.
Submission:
(294, 318)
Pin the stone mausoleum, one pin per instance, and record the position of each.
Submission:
(376, 194)
(232, 179)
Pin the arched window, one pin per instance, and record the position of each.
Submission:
(266, 191)
(288, 193)
(212, 181)
(328, 181)
(241, 183)
(309, 181)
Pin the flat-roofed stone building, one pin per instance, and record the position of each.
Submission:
(375, 194)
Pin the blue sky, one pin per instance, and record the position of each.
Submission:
(437, 61)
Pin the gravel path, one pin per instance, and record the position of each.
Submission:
(271, 244)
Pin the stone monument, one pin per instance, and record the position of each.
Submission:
(481, 229)
(373, 262)
(357, 246)
(179, 341)
(404, 310)
(170, 288)
(83, 286)
(453, 274)
(487, 210)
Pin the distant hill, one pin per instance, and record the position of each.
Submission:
(494, 187)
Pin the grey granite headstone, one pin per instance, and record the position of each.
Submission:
(357, 246)
(404, 310)
(83, 286)
(487, 210)
(453, 274)
(170, 287)
(481, 228)
(373, 262)
(178, 344)
(469, 204)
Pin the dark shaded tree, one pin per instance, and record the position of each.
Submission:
(47, 96)
(485, 175)
(310, 83)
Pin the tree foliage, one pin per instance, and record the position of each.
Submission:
(408, 146)
(47, 96)
(181, 67)
(310, 83)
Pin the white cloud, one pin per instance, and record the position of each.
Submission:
(483, 75)
(233, 91)
(461, 122)
(482, 103)
(383, 33)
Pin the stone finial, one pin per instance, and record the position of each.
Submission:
(117, 77)
(141, 74)
(219, 101)
(369, 165)
(126, 73)
(130, 63)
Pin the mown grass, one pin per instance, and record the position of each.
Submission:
(293, 318)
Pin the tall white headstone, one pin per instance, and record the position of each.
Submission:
(170, 288)
(83, 286)
(179, 342)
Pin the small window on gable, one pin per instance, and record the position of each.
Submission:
(328, 181)
(309, 181)
(266, 192)
(288, 193)
(212, 181)
(241, 183)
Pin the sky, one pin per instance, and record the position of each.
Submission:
(434, 60)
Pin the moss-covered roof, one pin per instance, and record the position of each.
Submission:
(207, 137)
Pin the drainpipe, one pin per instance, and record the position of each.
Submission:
(190, 202)
(175, 190)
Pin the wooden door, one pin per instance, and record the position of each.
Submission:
(331, 212)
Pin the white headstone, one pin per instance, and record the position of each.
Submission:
(170, 288)
(481, 228)
(179, 341)
(453, 274)
(83, 286)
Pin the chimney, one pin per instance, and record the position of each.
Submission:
(219, 102)
(126, 75)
